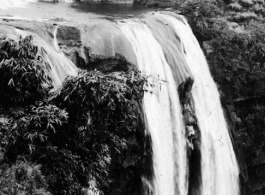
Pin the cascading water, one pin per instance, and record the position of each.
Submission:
(162, 110)
(219, 166)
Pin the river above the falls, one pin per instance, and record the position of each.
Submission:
(77, 11)
(111, 9)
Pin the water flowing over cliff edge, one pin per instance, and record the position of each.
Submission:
(192, 150)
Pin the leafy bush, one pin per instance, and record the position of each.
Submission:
(30, 128)
(239, 58)
(23, 74)
(201, 15)
(101, 114)
(28, 119)
(73, 133)
(23, 178)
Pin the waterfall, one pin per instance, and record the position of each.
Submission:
(155, 56)
(219, 166)
(162, 45)
(162, 110)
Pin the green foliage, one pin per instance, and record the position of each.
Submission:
(101, 113)
(23, 74)
(201, 15)
(73, 133)
(239, 59)
(28, 119)
(23, 178)
(30, 127)
(92, 94)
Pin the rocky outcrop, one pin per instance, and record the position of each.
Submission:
(193, 135)
(84, 44)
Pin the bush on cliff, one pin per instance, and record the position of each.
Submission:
(23, 74)
(238, 61)
(201, 15)
(73, 133)
(23, 178)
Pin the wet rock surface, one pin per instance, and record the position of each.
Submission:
(192, 134)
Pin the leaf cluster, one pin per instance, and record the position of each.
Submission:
(23, 74)
(23, 178)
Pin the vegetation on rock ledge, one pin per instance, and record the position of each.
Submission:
(74, 133)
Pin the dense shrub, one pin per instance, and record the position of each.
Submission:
(72, 133)
(102, 112)
(239, 60)
(23, 178)
(23, 74)
(201, 15)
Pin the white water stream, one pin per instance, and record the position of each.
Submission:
(162, 110)
(219, 166)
